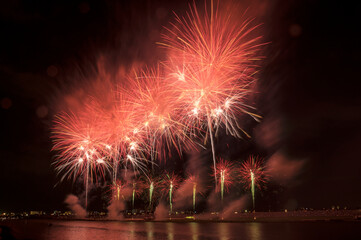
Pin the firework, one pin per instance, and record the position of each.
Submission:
(170, 184)
(202, 87)
(158, 105)
(151, 183)
(253, 174)
(103, 132)
(211, 65)
(224, 174)
(137, 188)
(194, 180)
(118, 189)
(126, 142)
(81, 149)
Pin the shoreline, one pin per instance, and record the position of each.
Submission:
(291, 216)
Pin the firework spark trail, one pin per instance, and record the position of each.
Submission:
(170, 184)
(253, 174)
(225, 174)
(118, 189)
(137, 188)
(222, 183)
(211, 65)
(170, 197)
(86, 186)
(151, 189)
(133, 196)
(252, 188)
(194, 180)
(151, 183)
(194, 196)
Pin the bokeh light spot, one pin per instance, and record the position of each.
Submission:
(6, 103)
(84, 7)
(42, 111)
(52, 71)
(295, 30)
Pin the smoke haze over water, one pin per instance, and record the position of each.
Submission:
(73, 204)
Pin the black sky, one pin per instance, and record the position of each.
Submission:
(309, 89)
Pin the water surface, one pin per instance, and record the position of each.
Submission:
(84, 230)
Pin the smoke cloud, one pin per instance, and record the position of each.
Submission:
(161, 212)
(213, 201)
(196, 169)
(117, 206)
(236, 205)
(283, 170)
(73, 204)
(115, 210)
(184, 194)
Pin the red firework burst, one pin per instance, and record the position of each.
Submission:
(224, 173)
(137, 186)
(197, 184)
(150, 180)
(170, 183)
(119, 190)
(253, 166)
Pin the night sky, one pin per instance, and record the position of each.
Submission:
(308, 92)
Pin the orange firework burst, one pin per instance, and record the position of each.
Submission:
(81, 147)
(211, 62)
(120, 125)
(201, 88)
(157, 104)
(211, 65)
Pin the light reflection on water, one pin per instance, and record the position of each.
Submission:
(255, 231)
(149, 228)
(84, 230)
(132, 229)
(170, 230)
(194, 230)
(223, 230)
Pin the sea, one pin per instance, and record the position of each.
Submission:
(109, 230)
